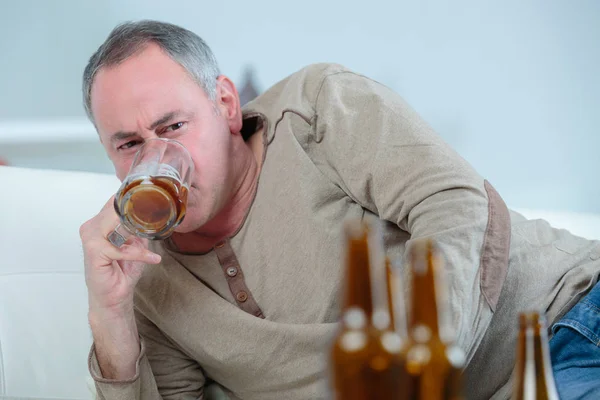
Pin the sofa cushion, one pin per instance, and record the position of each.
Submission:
(44, 335)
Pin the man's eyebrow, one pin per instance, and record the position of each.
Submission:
(164, 119)
(121, 135)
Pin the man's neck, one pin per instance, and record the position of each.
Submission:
(230, 219)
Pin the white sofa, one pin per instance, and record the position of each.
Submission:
(44, 335)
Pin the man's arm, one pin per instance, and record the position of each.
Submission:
(371, 144)
(121, 364)
(161, 371)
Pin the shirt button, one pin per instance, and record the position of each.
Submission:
(241, 296)
(232, 271)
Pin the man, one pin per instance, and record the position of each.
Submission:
(245, 294)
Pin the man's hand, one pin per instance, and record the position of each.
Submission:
(111, 274)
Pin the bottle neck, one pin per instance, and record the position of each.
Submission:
(426, 299)
(533, 368)
(425, 307)
(543, 366)
(358, 276)
(391, 293)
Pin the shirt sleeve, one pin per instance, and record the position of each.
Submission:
(162, 371)
(370, 143)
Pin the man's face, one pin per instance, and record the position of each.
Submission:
(149, 95)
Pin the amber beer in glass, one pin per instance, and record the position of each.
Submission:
(433, 363)
(365, 355)
(152, 199)
(534, 379)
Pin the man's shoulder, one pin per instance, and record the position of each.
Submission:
(320, 71)
(310, 78)
(307, 80)
(297, 91)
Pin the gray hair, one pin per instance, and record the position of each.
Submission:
(183, 46)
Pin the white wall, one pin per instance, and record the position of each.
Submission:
(512, 85)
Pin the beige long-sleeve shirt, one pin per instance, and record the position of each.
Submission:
(256, 315)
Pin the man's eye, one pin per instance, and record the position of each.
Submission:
(174, 127)
(128, 145)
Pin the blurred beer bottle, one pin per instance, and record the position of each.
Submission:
(365, 358)
(392, 292)
(350, 350)
(433, 363)
(534, 379)
(386, 364)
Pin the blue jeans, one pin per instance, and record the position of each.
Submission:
(575, 350)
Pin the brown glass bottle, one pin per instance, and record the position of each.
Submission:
(365, 356)
(433, 364)
(386, 364)
(391, 278)
(534, 379)
(350, 350)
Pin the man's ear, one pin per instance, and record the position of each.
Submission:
(228, 103)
